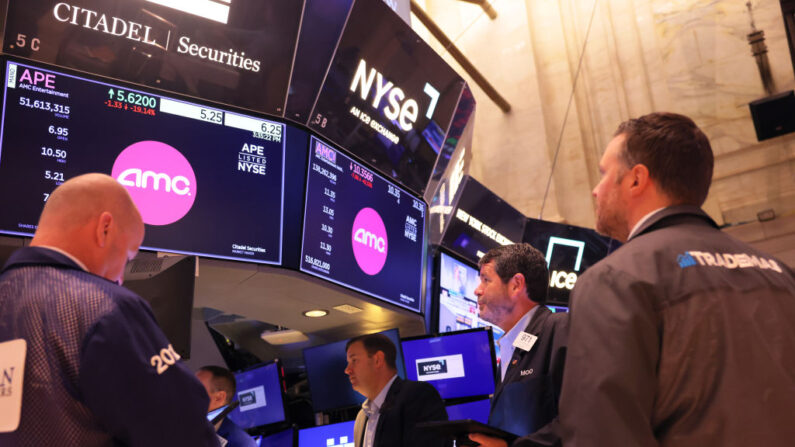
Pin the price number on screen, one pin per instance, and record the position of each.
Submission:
(44, 105)
(394, 192)
(46, 196)
(325, 246)
(54, 176)
(322, 265)
(55, 153)
(328, 210)
(273, 130)
(419, 206)
(331, 194)
(213, 116)
(326, 228)
(133, 98)
(58, 131)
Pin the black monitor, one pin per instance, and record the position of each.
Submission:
(325, 370)
(208, 181)
(361, 230)
(458, 364)
(167, 283)
(260, 391)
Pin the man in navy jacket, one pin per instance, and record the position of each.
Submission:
(221, 386)
(98, 369)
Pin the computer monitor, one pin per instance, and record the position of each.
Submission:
(477, 411)
(284, 438)
(325, 370)
(458, 364)
(332, 435)
(261, 397)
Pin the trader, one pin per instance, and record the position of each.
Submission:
(220, 384)
(393, 406)
(683, 336)
(98, 369)
(511, 294)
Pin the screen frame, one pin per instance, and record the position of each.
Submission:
(492, 355)
(5, 59)
(425, 247)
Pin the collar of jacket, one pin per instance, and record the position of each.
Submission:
(673, 215)
(533, 327)
(39, 256)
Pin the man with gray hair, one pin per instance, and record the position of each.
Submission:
(513, 289)
(98, 369)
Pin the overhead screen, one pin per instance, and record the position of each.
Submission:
(207, 181)
(259, 391)
(325, 369)
(569, 251)
(387, 97)
(458, 364)
(361, 230)
(231, 51)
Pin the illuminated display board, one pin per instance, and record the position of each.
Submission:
(481, 221)
(232, 51)
(207, 181)
(362, 231)
(569, 251)
(387, 97)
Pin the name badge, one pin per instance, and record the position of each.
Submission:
(525, 341)
(12, 371)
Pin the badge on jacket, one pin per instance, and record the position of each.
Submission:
(525, 341)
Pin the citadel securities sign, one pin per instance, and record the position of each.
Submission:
(220, 50)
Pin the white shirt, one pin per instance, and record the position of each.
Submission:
(58, 250)
(373, 411)
(506, 341)
(641, 221)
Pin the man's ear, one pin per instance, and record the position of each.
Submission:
(639, 179)
(379, 358)
(103, 228)
(516, 285)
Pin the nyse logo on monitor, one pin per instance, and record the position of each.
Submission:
(252, 398)
(438, 368)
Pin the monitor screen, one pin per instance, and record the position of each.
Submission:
(284, 438)
(458, 305)
(387, 97)
(259, 391)
(361, 230)
(207, 181)
(332, 435)
(557, 309)
(232, 51)
(325, 370)
(477, 411)
(458, 364)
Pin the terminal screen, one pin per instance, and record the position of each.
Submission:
(259, 392)
(362, 231)
(207, 181)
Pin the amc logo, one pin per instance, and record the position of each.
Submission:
(369, 241)
(434, 367)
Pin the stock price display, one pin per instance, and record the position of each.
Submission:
(206, 181)
(362, 231)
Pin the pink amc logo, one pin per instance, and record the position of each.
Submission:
(159, 179)
(369, 241)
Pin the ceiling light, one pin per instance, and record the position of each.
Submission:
(316, 313)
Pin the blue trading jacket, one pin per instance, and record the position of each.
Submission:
(98, 371)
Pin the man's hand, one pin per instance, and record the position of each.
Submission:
(487, 441)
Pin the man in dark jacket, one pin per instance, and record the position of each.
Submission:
(683, 336)
(394, 406)
(98, 370)
(221, 385)
(511, 294)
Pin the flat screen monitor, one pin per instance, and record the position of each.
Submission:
(458, 305)
(387, 97)
(557, 309)
(233, 51)
(261, 397)
(325, 369)
(361, 230)
(477, 411)
(458, 364)
(332, 435)
(284, 438)
(207, 181)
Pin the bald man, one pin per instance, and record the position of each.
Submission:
(98, 369)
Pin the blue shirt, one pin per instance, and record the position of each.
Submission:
(506, 341)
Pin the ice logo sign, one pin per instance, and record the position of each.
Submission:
(160, 181)
(369, 241)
